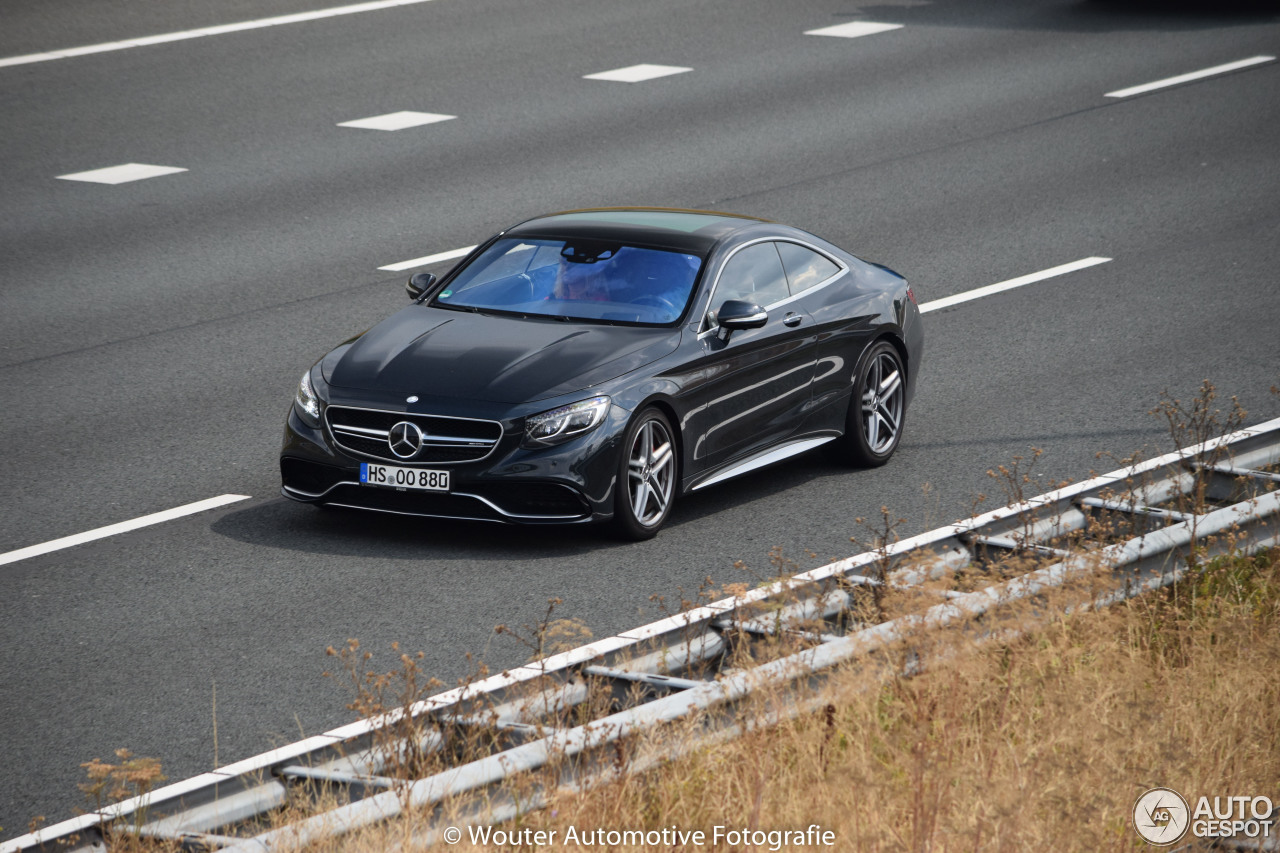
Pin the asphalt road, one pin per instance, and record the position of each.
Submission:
(152, 332)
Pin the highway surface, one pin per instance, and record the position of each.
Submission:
(152, 330)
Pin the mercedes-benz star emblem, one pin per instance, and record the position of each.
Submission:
(405, 439)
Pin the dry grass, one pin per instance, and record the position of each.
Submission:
(1044, 742)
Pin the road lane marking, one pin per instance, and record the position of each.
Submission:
(853, 29)
(1194, 75)
(429, 259)
(948, 301)
(122, 174)
(122, 527)
(396, 121)
(637, 73)
(218, 30)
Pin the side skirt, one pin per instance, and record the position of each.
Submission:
(763, 458)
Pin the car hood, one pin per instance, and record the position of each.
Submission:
(424, 350)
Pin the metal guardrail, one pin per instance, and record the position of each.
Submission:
(672, 669)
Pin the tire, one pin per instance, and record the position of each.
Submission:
(877, 410)
(648, 472)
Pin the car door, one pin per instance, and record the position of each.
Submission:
(828, 292)
(751, 388)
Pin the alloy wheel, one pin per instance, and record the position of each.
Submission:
(651, 472)
(883, 396)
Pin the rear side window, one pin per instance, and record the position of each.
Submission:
(805, 268)
(754, 274)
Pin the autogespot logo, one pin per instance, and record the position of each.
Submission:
(1161, 816)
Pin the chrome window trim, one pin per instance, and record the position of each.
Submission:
(842, 269)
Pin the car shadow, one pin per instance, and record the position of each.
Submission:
(285, 524)
(1078, 16)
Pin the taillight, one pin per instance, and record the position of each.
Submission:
(911, 294)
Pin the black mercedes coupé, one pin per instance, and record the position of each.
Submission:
(595, 365)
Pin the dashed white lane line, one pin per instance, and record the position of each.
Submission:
(122, 174)
(396, 121)
(207, 31)
(429, 259)
(122, 527)
(637, 73)
(1194, 75)
(980, 292)
(853, 29)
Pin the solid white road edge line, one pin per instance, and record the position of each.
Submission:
(429, 259)
(207, 31)
(1186, 78)
(122, 527)
(948, 301)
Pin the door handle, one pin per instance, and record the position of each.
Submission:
(792, 319)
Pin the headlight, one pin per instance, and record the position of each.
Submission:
(307, 402)
(566, 422)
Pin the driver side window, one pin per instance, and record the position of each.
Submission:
(754, 274)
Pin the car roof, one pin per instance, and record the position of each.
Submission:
(661, 227)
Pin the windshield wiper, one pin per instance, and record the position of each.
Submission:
(454, 307)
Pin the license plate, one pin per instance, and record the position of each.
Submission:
(393, 477)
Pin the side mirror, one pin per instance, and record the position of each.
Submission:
(737, 314)
(418, 284)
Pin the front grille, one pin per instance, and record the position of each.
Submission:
(444, 439)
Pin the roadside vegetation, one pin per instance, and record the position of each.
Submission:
(1038, 729)
(1043, 741)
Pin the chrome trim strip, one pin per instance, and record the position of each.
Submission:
(502, 511)
(417, 514)
(399, 413)
(712, 292)
(765, 457)
(431, 440)
(316, 496)
(372, 433)
(453, 440)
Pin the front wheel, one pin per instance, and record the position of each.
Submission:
(647, 470)
(873, 426)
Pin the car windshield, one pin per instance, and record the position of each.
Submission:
(577, 280)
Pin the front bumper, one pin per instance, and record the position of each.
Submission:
(567, 484)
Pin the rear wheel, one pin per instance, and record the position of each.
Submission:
(873, 426)
(646, 477)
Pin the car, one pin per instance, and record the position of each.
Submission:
(596, 365)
